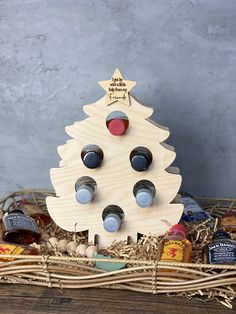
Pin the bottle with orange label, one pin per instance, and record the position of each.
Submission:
(175, 247)
(227, 222)
(15, 249)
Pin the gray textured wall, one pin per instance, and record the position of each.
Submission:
(181, 53)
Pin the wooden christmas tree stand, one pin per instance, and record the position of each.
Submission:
(115, 178)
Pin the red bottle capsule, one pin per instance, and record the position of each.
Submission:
(117, 123)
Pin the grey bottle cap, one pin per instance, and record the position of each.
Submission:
(144, 198)
(84, 195)
(112, 223)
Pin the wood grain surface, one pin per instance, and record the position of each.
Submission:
(20, 299)
(116, 178)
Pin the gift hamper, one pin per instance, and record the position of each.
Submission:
(116, 219)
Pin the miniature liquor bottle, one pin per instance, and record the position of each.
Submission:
(17, 227)
(175, 247)
(144, 192)
(92, 156)
(228, 222)
(222, 250)
(113, 217)
(192, 210)
(85, 188)
(140, 158)
(117, 123)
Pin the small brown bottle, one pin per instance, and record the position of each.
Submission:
(227, 222)
(221, 251)
(15, 249)
(17, 227)
(175, 247)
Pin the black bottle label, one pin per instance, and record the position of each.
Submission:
(16, 221)
(222, 253)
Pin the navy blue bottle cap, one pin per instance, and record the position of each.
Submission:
(139, 162)
(16, 211)
(92, 160)
(219, 234)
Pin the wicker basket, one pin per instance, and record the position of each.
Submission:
(211, 281)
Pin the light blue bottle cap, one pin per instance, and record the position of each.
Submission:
(84, 195)
(144, 198)
(112, 223)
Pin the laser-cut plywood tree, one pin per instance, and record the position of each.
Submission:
(115, 177)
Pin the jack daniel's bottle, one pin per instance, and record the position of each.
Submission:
(221, 251)
(17, 227)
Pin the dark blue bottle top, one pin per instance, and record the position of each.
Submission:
(92, 159)
(139, 162)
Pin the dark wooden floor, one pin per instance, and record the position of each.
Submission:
(17, 299)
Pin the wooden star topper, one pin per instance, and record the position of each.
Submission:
(117, 89)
